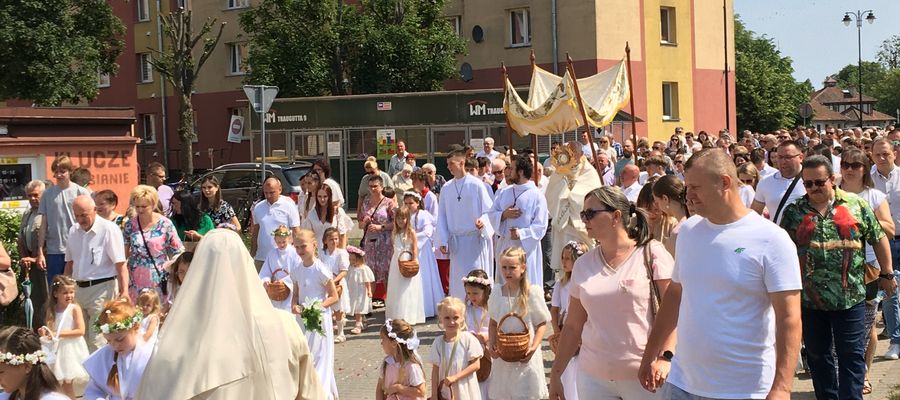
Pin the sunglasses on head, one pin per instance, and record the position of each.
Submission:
(852, 165)
(589, 213)
(817, 182)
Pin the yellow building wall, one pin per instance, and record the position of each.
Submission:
(668, 63)
(618, 22)
(215, 75)
(145, 38)
(708, 32)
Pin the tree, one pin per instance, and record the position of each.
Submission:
(313, 48)
(180, 68)
(54, 49)
(767, 95)
(872, 73)
(889, 53)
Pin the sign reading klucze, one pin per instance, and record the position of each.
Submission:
(478, 108)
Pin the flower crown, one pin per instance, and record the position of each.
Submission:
(123, 325)
(478, 281)
(410, 343)
(36, 357)
(281, 231)
(575, 247)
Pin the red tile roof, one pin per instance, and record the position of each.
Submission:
(835, 95)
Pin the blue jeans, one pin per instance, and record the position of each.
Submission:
(891, 305)
(847, 329)
(56, 265)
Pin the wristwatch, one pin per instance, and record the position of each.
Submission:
(667, 355)
(889, 275)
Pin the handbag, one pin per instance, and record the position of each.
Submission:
(9, 287)
(654, 289)
(365, 227)
(163, 275)
(485, 362)
(408, 268)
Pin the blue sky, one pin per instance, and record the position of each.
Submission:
(811, 32)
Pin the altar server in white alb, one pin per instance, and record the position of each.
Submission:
(464, 231)
(520, 217)
(117, 368)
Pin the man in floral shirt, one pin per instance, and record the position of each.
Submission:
(830, 228)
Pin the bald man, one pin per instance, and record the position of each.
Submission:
(95, 258)
(631, 182)
(268, 214)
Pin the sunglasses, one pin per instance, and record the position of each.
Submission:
(747, 181)
(817, 182)
(852, 165)
(678, 162)
(589, 213)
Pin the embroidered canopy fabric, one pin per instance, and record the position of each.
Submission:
(552, 105)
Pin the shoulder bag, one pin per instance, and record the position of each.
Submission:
(163, 277)
(654, 289)
(445, 392)
(785, 198)
(371, 214)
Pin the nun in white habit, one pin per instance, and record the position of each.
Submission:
(224, 340)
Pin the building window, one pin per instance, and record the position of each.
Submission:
(667, 25)
(519, 27)
(456, 24)
(237, 53)
(148, 128)
(181, 3)
(145, 68)
(670, 100)
(102, 80)
(143, 10)
(231, 4)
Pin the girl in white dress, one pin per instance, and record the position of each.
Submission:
(338, 262)
(524, 379)
(148, 301)
(404, 300)
(478, 290)
(402, 376)
(559, 305)
(21, 355)
(455, 356)
(313, 281)
(65, 332)
(423, 223)
(116, 369)
(359, 285)
(278, 264)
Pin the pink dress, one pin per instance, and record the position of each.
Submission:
(413, 375)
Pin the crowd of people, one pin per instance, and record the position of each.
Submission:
(649, 254)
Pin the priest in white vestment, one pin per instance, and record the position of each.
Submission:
(573, 178)
(464, 231)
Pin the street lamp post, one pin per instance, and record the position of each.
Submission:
(857, 16)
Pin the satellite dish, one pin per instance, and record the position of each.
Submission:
(465, 71)
(477, 34)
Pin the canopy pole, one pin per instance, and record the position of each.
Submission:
(571, 68)
(534, 138)
(509, 131)
(634, 140)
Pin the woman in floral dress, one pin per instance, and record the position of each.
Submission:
(149, 232)
(377, 221)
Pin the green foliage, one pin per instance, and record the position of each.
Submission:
(889, 53)
(766, 93)
(872, 73)
(887, 91)
(314, 48)
(53, 49)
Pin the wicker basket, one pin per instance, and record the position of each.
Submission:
(278, 290)
(512, 346)
(409, 267)
(445, 392)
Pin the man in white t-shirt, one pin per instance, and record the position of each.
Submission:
(734, 296)
(488, 150)
(771, 190)
(268, 214)
(630, 185)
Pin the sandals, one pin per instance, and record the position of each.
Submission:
(867, 387)
(357, 329)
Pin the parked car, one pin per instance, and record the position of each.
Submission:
(240, 183)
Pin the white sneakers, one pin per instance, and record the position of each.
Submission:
(893, 352)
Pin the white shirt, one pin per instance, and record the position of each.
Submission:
(767, 171)
(492, 155)
(95, 253)
(586, 149)
(336, 193)
(165, 196)
(874, 197)
(726, 322)
(270, 216)
(890, 186)
(747, 194)
(771, 189)
(632, 192)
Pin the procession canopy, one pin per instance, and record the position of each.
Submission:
(553, 107)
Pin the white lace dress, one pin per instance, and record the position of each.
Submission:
(71, 352)
(404, 295)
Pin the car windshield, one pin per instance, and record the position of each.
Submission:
(293, 175)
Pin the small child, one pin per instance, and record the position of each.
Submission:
(559, 306)
(148, 302)
(65, 332)
(359, 284)
(402, 376)
(525, 378)
(22, 357)
(338, 260)
(116, 369)
(455, 359)
(478, 291)
(277, 266)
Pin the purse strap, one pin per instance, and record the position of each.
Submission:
(146, 247)
(654, 289)
(784, 198)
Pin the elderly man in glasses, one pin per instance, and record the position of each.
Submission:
(831, 228)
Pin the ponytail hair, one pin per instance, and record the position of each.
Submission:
(634, 219)
(40, 380)
(673, 188)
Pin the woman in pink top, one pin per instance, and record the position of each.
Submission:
(611, 309)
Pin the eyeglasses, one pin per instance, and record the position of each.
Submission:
(817, 182)
(788, 156)
(678, 162)
(784, 138)
(747, 181)
(588, 213)
(852, 165)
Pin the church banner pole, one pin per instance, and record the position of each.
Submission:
(571, 68)
(634, 140)
(534, 138)
(509, 131)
